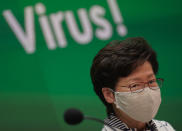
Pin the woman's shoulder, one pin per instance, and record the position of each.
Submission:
(159, 125)
(163, 125)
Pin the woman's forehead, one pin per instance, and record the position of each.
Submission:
(141, 73)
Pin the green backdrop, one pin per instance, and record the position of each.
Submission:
(47, 48)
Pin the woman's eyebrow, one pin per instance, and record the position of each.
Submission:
(151, 75)
(134, 79)
(139, 79)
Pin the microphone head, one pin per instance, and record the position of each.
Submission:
(73, 116)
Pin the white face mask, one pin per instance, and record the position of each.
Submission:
(141, 106)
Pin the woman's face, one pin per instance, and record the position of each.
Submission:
(143, 73)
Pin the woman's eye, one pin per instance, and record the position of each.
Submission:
(151, 81)
(134, 86)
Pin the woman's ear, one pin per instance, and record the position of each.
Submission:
(108, 95)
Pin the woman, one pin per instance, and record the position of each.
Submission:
(124, 77)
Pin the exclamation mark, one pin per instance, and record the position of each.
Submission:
(117, 17)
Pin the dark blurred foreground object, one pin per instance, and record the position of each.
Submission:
(74, 116)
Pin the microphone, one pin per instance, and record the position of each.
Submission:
(74, 116)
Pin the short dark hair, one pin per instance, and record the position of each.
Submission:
(118, 59)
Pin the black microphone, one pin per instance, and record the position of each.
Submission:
(74, 116)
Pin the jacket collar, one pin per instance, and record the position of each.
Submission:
(113, 121)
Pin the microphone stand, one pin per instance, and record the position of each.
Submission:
(100, 121)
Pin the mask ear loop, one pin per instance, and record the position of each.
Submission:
(112, 91)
